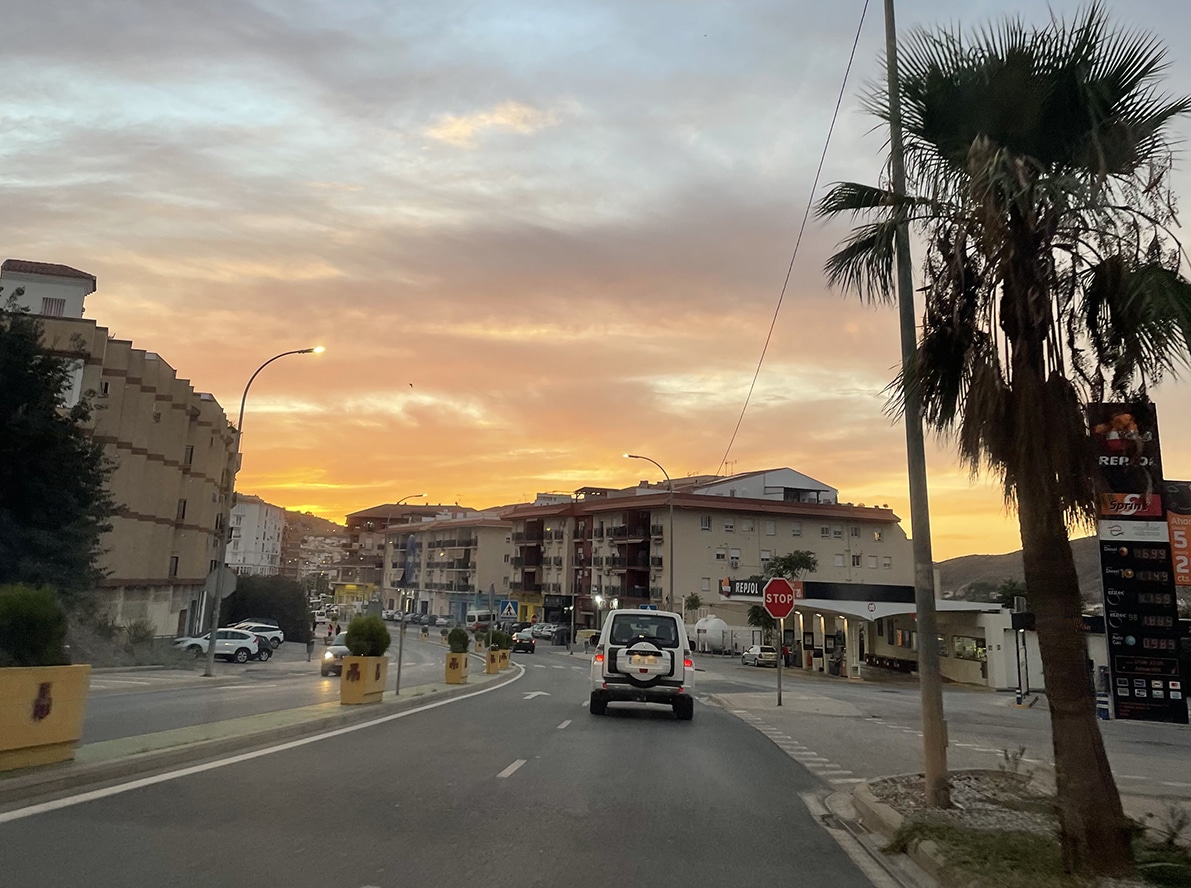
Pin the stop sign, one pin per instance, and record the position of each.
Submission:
(779, 598)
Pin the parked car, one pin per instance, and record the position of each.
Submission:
(230, 644)
(272, 632)
(517, 627)
(332, 663)
(264, 650)
(442, 620)
(759, 655)
(263, 621)
(523, 641)
(543, 630)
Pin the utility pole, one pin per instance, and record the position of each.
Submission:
(934, 728)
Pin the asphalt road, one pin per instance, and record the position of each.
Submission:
(520, 786)
(127, 704)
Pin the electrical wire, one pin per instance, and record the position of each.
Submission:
(801, 230)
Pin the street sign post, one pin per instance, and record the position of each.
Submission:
(779, 602)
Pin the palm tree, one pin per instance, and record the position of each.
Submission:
(1037, 162)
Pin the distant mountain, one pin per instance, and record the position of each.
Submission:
(958, 575)
(308, 524)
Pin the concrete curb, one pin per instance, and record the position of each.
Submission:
(73, 775)
(880, 818)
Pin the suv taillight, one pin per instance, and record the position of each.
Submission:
(599, 658)
(688, 663)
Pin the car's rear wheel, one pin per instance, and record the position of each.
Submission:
(598, 705)
(195, 649)
(684, 708)
(264, 654)
(242, 655)
(274, 642)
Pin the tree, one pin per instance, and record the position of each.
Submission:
(275, 598)
(1037, 164)
(793, 566)
(54, 498)
(692, 602)
(1008, 591)
(759, 618)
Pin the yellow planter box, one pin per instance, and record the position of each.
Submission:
(41, 710)
(503, 660)
(363, 679)
(492, 663)
(443, 639)
(479, 646)
(457, 669)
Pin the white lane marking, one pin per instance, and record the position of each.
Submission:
(984, 749)
(845, 779)
(1172, 783)
(508, 772)
(118, 789)
(538, 666)
(585, 702)
(560, 667)
(564, 724)
(578, 668)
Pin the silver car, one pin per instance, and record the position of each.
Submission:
(759, 655)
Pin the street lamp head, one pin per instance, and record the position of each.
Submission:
(630, 456)
(315, 350)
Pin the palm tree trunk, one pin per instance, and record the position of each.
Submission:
(1093, 830)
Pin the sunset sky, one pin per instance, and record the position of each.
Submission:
(531, 235)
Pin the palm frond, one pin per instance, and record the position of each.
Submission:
(865, 262)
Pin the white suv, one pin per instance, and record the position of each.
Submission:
(642, 656)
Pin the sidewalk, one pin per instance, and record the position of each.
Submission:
(96, 763)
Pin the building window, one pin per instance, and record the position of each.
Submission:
(856, 560)
(705, 584)
(721, 554)
(55, 308)
(839, 560)
(746, 524)
(506, 557)
(796, 529)
(825, 532)
(705, 522)
(181, 509)
(188, 456)
(104, 387)
(837, 532)
(173, 565)
(766, 555)
(887, 562)
(211, 567)
(967, 648)
(770, 528)
(872, 562)
(854, 531)
(729, 525)
(876, 536)
(238, 520)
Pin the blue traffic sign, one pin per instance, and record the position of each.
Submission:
(508, 609)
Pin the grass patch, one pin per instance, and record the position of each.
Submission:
(1017, 859)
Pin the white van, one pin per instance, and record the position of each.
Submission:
(480, 619)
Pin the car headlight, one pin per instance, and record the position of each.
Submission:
(328, 656)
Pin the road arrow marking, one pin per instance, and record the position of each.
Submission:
(533, 694)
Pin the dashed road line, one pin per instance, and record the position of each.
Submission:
(564, 724)
(508, 772)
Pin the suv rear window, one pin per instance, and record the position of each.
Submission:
(660, 630)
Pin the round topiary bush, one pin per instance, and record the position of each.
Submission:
(458, 641)
(368, 637)
(32, 627)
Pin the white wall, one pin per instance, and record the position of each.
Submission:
(255, 546)
(71, 291)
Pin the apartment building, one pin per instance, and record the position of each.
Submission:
(171, 445)
(254, 548)
(613, 547)
(446, 566)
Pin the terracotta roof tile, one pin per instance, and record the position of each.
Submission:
(23, 266)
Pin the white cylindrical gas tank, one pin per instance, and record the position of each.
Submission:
(712, 634)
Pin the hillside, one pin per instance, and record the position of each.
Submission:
(309, 524)
(956, 574)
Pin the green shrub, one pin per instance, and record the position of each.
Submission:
(458, 641)
(482, 636)
(32, 627)
(501, 641)
(368, 637)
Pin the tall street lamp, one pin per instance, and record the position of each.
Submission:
(229, 492)
(669, 532)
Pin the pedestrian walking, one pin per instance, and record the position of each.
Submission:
(328, 633)
(310, 647)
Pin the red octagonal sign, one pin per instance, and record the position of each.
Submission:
(779, 596)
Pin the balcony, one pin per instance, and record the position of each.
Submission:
(655, 593)
(597, 533)
(657, 530)
(557, 561)
(619, 533)
(532, 562)
(528, 536)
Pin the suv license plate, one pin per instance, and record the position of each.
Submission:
(643, 659)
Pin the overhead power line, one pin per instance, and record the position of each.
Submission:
(798, 242)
